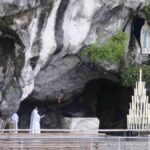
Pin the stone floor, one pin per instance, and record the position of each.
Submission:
(54, 140)
(104, 144)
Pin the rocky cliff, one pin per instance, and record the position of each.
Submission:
(40, 41)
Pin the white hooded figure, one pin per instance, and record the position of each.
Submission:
(145, 38)
(35, 121)
(15, 120)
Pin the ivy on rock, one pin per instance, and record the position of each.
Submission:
(112, 50)
(147, 11)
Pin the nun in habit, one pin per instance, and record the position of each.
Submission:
(15, 120)
(145, 38)
(35, 121)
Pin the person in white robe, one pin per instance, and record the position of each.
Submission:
(15, 119)
(35, 121)
(145, 38)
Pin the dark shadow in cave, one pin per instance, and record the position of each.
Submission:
(102, 98)
(26, 108)
(54, 112)
(138, 23)
(109, 101)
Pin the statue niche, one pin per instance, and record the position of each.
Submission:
(145, 38)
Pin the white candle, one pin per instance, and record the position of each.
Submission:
(140, 75)
(128, 122)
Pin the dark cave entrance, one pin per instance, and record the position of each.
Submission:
(137, 24)
(102, 98)
(109, 101)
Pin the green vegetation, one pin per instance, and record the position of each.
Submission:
(111, 51)
(5, 22)
(131, 74)
(147, 11)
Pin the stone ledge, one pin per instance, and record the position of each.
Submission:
(82, 123)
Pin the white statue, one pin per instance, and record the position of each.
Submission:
(35, 121)
(145, 38)
(15, 120)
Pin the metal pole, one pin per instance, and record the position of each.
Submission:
(148, 143)
(91, 144)
(119, 144)
(21, 145)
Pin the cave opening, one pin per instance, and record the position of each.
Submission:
(6, 45)
(138, 23)
(101, 98)
(109, 101)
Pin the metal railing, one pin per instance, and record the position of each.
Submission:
(75, 140)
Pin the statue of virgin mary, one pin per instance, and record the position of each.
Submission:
(145, 38)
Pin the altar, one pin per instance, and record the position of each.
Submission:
(82, 123)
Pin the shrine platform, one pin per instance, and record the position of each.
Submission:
(74, 140)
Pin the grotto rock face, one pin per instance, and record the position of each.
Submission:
(11, 63)
(43, 39)
(49, 84)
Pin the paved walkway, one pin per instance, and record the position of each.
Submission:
(76, 140)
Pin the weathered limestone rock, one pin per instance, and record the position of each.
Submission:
(45, 38)
(49, 84)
